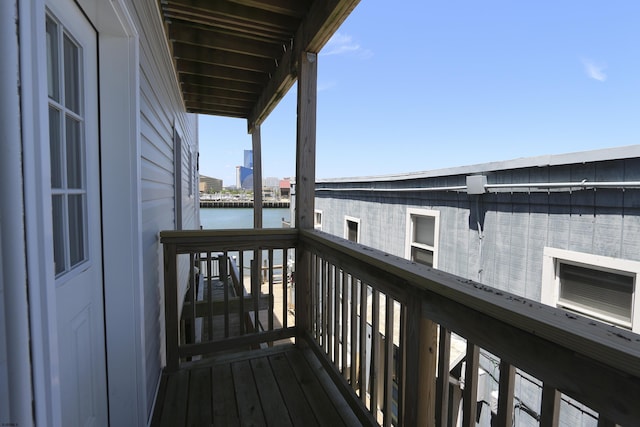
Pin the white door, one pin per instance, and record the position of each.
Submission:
(73, 146)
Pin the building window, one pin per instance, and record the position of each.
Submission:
(352, 228)
(595, 286)
(317, 220)
(422, 236)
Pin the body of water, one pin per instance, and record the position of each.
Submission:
(226, 218)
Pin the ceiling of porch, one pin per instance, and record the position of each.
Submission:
(238, 58)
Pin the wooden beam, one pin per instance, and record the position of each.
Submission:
(257, 179)
(187, 67)
(321, 22)
(206, 36)
(306, 141)
(222, 58)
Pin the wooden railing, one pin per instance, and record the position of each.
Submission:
(388, 330)
(225, 308)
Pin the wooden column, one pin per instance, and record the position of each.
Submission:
(305, 177)
(257, 177)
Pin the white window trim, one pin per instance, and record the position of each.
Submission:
(550, 281)
(346, 228)
(318, 226)
(409, 233)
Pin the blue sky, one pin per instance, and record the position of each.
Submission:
(411, 86)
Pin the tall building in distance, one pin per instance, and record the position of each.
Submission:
(244, 174)
(248, 159)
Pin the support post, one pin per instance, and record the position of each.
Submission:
(256, 141)
(305, 177)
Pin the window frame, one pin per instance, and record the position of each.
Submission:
(317, 224)
(410, 243)
(348, 219)
(550, 291)
(64, 190)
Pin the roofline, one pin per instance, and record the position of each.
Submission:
(615, 153)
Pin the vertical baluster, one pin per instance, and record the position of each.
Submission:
(550, 407)
(315, 292)
(324, 292)
(442, 382)
(208, 286)
(354, 333)
(336, 316)
(330, 308)
(256, 280)
(505, 394)
(171, 306)
(375, 352)
(388, 362)
(192, 294)
(362, 379)
(240, 291)
(400, 365)
(345, 323)
(224, 275)
(285, 288)
(470, 394)
(271, 299)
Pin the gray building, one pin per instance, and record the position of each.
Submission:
(563, 230)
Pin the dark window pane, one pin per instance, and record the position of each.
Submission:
(74, 154)
(71, 76)
(352, 231)
(55, 147)
(422, 256)
(58, 233)
(53, 81)
(76, 229)
(602, 292)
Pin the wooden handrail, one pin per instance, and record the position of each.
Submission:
(353, 289)
(592, 362)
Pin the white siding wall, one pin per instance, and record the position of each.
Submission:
(161, 109)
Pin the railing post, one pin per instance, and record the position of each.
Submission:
(411, 349)
(302, 287)
(427, 372)
(171, 305)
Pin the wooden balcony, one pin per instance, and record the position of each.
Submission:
(373, 340)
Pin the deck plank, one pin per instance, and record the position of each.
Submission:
(299, 409)
(174, 410)
(247, 399)
(278, 386)
(225, 410)
(320, 403)
(273, 405)
(200, 403)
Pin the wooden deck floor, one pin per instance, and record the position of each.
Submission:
(279, 386)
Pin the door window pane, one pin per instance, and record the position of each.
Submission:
(76, 229)
(55, 147)
(58, 233)
(52, 60)
(71, 75)
(74, 153)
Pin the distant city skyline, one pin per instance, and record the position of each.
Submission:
(452, 84)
